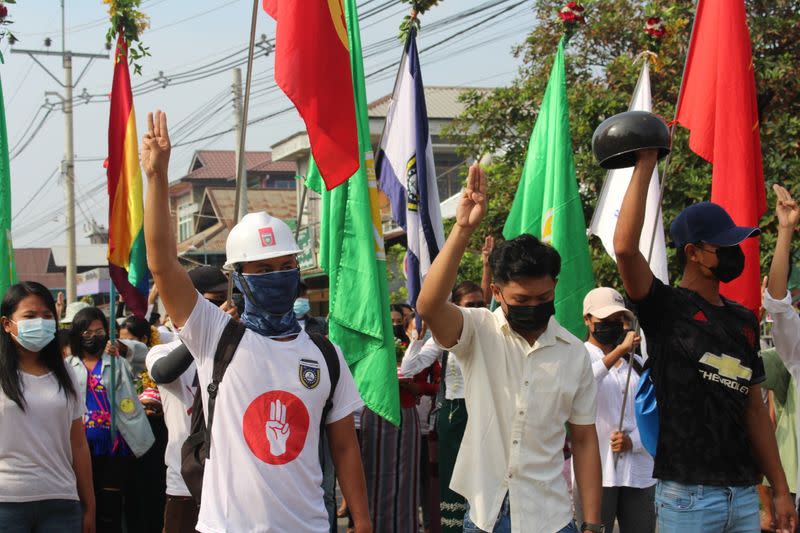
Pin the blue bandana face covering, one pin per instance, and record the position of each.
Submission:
(269, 302)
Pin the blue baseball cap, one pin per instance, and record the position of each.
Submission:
(709, 223)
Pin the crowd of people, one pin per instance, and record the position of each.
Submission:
(226, 418)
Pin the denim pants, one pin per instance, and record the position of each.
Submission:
(43, 516)
(503, 522)
(682, 508)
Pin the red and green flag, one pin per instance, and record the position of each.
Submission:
(127, 260)
(312, 66)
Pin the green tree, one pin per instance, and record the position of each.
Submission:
(602, 70)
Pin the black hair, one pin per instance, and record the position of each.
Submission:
(83, 319)
(464, 288)
(524, 257)
(397, 308)
(63, 338)
(50, 356)
(138, 327)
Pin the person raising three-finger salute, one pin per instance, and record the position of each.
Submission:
(257, 479)
(777, 299)
(525, 379)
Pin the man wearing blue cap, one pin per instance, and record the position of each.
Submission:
(715, 438)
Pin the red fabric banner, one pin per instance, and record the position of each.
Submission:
(718, 106)
(312, 66)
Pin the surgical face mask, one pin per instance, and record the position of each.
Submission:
(609, 333)
(526, 318)
(730, 263)
(34, 334)
(95, 344)
(301, 307)
(269, 302)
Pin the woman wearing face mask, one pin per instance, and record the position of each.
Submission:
(45, 469)
(112, 455)
(628, 485)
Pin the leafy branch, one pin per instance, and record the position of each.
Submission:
(127, 19)
(418, 7)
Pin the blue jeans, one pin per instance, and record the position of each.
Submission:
(503, 522)
(44, 516)
(706, 509)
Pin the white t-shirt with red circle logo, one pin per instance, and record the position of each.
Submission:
(263, 474)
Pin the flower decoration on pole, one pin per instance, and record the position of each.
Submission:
(571, 16)
(5, 21)
(126, 18)
(418, 7)
(655, 28)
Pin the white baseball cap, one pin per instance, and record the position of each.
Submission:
(603, 302)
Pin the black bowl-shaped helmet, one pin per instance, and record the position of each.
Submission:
(617, 139)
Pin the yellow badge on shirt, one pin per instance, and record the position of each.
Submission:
(127, 406)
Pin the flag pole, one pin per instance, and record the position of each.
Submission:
(241, 172)
(112, 336)
(664, 176)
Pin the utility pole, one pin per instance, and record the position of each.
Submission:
(68, 169)
(241, 171)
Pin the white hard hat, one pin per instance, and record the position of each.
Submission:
(258, 236)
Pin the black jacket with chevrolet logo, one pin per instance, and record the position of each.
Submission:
(704, 359)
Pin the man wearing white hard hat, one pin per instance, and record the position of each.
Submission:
(628, 484)
(263, 472)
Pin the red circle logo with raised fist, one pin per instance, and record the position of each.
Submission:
(275, 426)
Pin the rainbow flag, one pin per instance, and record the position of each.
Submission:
(127, 260)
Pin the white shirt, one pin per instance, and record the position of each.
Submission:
(634, 467)
(35, 448)
(786, 335)
(264, 473)
(421, 354)
(519, 398)
(177, 399)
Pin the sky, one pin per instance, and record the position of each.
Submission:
(462, 42)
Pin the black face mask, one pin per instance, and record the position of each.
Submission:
(730, 263)
(400, 333)
(530, 317)
(609, 333)
(94, 344)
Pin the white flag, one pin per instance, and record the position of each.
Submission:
(604, 222)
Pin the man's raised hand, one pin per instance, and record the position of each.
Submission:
(472, 207)
(156, 146)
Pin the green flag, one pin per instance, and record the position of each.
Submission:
(352, 253)
(8, 270)
(547, 204)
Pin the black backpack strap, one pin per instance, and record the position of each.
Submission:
(332, 361)
(226, 347)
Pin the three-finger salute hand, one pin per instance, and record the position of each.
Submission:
(786, 208)
(472, 207)
(156, 146)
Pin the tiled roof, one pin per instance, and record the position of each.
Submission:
(280, 203)
(32, 265)
(221, 164)
(442, 102)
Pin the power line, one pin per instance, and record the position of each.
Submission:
(38, 191)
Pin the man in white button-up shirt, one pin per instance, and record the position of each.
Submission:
(525, 379)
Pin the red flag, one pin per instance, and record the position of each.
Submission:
(719, 106)
(312, 66)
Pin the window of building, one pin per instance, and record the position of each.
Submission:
(186, 221)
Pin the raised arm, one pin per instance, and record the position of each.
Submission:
(788, 214)
(636, 274)
(443, 318)
(174, 286)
